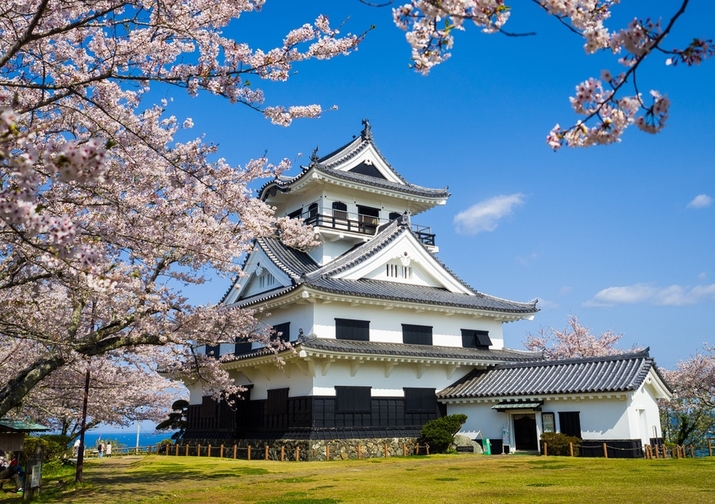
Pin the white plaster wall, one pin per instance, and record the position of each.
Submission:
(647, 426)
(480, 417)
(386, 325)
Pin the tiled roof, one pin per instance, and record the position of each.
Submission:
(304, 271)
(350, 150)
(402, 350)
(612, 373)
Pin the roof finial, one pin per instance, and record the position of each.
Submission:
(314, 156)
(366, 134)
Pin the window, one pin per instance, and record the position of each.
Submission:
(312, 210)
(295, 213)
(347, 329)
(282, 331)
(368, 217)
(570, 423)
(266, 280)
(213, 350)
(340, 210)
(352, 399)
(398, 271)
(242, 346)
(395, 215)
(416, 334)
(476, 339)
(420, 400)
(277, 403)
(548, 422)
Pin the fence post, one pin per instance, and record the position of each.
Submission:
(198, 450)
(386, 451)
(427, 447)
(167, 449)
(208, 451)
(571, 448)
(358, 450)
(220, 452)
(235, 449)
(710, 447)
(266, 452)
(297, 453)
(605, 450)
(404, 449)
(327, 451)
(417, 448)
(187, 449)
(283, 453)
(248, 452)
(546, 449)
(692, 451)
(176, 451)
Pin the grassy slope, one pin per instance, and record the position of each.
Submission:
(513, 479)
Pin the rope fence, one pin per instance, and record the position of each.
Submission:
(649, 451)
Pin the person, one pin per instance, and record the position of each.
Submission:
(75, 448)
(10, 471)
(108, 449)
(100, 449)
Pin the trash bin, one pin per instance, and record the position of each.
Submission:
(486, 446)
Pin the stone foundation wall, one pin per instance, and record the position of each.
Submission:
(304, 449)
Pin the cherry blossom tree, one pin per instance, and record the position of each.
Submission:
(690, 415)
(104, 215)
(604, 104)
(574, 341)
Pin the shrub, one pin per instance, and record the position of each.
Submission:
(54, 446)
(439, 433)
(558, 444)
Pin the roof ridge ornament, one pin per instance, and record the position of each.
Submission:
(366, 133)
(314, 157)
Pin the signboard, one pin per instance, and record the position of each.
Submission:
(548, 422)
(35, 475)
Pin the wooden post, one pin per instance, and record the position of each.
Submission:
(283, 453)
(266, 452)
(427, 448)
(327, 451)
(167, 449)
(417, 449)
(235, 449)
(571, 448)
(198, 450)
(187, 449)
(297, 453)
(546, 449)
(208, 451)
(358, 451)
(386, 451)
(710, 447)
(248, 452)
(404, 449)
(648, 452)
(605, 450)
(692, 452)
(176, 452)
(220, 452)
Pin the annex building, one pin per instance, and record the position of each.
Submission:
(385, 337)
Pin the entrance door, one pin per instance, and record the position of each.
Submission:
(525, 432)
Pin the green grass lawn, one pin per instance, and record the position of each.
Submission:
(440, 478)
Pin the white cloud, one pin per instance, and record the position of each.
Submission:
(700, 201)
(674, 295)
(484, 216)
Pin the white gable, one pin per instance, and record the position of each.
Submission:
(368, 156)
(405, 260)
(261, 275)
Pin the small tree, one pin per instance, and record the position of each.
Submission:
(439, 433)
(177, 419)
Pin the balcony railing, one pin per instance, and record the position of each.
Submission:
(342, 220)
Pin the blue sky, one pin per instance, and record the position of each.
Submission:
(621, 236)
